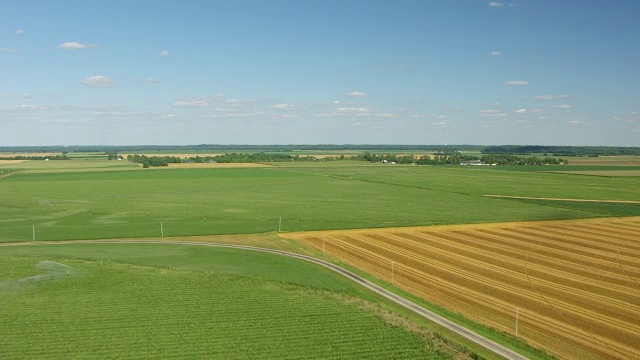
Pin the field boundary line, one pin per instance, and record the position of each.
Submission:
(561, 199)
(429, 315)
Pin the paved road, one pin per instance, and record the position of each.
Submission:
(480, 340)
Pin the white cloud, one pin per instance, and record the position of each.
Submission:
(550, 97)
(152, 80)
(442, 117)
(72, 45)
(357, 94)
(353, 110)
(164, 53)
(19, 32)
(98, 81)
(24, 96)
(235, 103)
(563, 106)
(496, 53)
(528, 111)
(441, 123)
(575, 122)
(193, 102)
(3, 95)
(496, 4)
(199, 101)
(282, 106)
(336, 102)
(516, 82)
(492, 113)
(358, 112)
(7, 50)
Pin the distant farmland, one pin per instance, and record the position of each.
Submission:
(73, 203)
(576, 283)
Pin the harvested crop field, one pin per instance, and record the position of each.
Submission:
(607, 160)
(12, 154)
(576, 283)
(5, 162)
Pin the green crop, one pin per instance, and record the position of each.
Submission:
(175, 309)
(117, 204)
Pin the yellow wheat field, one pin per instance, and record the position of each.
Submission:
(576, 283)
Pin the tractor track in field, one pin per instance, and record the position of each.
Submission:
(458, 329)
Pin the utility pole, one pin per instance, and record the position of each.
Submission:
(161, 230)
(34, 232)
(280, 225)
(324, 245)
(392, 273)
(517, 315)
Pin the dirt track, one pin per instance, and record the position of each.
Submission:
(561, 199)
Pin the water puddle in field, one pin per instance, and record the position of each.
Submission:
(51, 271)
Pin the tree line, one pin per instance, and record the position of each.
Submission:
(591, 151)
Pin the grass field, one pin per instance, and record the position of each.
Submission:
(167, 301)
(116, 204)
(575, 282)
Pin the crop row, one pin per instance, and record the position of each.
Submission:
(575, 283)
(125, 311)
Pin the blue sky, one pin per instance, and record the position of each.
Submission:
(546, 72)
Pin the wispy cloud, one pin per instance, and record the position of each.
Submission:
(99, 81)
(496, 4)
(528, 111)
(492, 113)
(237, 103)
(195, 102)
(496, 53)
(282, 106)
(563, 106)
(19, 32)
(7, 50)
(152, 80)
(358, 94)
(220, 100)
(550, 97)
(72, 45)
(164, 53)
(516, 83)
(356, 112)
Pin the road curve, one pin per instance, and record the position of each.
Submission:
(470, 335)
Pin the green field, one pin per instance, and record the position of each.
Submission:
(100, 199)
(116, 204)
(168, 301)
